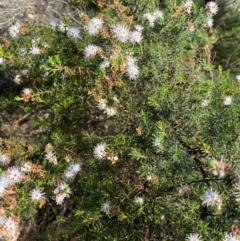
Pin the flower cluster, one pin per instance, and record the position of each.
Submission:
(4, 159)
(131, 67)
(14, 30)
(211, 198)
(72, 170)
(91, 50)
(94, 25)
(212, 7)
(50, 155)
(102, 105)
(61, 192)
(152, 17)
(9, 228)
(187, 6)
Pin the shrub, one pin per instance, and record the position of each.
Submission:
(140, 140)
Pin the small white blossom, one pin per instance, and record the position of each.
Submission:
(212, 7)
(106, 207)
(132, 71)
(26, 91)
(94, 25)
(230, 237)
(121, 33)
(187, 6)
(2, 60)
(135, 37)
(35, 50)
(156, 142)
(193, 237)
(4, 159)
(61, 192)
(74, 32)
(151, 17)
(211, 198)
(72, 170)
(62, 27)
(227, 100)
(102, 104)
(14, 30)
(51, 157)
(17, 79)
(37, 195)
(105, 64)
(158, 14)
(91, 50)
(15, 174)
(99, 151)
(238, 77)
(24, 72)
(205, 103)
(209, 22)
(110, 111)
(139, 200)
(139, 28)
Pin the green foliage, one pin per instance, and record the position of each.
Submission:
(155, 129)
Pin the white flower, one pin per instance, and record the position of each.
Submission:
(74, 32)
(238, 77)
(121, 33)
(60, 198)
(139, 200)
(209, 22)
(94, 25)
(212, 7)
(63, 76)
(211, 198)
(139, 28)
(50, 156)
(27, 167)
(106, 207)
(110, 111)
(158, 14)
(135, 37)
(102, 104)
(37, 195)
(91, 50)
(230, 237)
(227, 100)
(61, 192)
(72, 170)
(205, 103)
(132, 71)
(14, 30)
(130, 60)
(15, 174)
(34, 50)
(4, 183)
(156, 142)
(105, 64)
(193, 237)
(99, 151)
(24, 72)
(62, 27)
(26, 91)
(4, 159)
(17, 79)
(2, 60)
(187, 6)
(151, 17)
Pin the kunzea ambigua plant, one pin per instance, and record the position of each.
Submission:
(141, 136)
